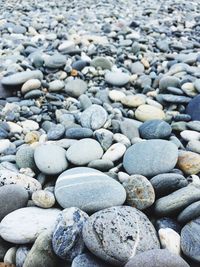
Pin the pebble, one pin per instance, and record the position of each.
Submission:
(189, 135)
(101, 62)
(21, 255)
(148, 112)
(88, 189)
(55, 61)
(21, 77)
(4, 145)
(101, 164)
(129, 129)
(159, 156)
(94, 117)
(177, 201)
(168, 81)
(10, 256)
(25, 157)
(30, 85)
(8, 177)
(46, 159)
(166, 222)
(17, 227)
(117, 78)
(155, 129)
(56, 132)
(43, 199)
(88, 260)
(67, 240)
(78, 133)
(158, 258)
(140, 192)
(116, 95)
(76, 87)
(170, 240)
(137, 68)
(90, 150)
(56, 86)
(190, 234)
(129, 229)
(115, 152)
(193, 108)
(133, 101)
(189, 162)
(190, 213)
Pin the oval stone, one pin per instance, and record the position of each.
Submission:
(189, 162)
(117, 234)
(88, 189)
(150, 157)
(21, 77)
(190, 213)
(193, 108)
(155, 129)
(88, 260)
(117, 78)
(147, 112)
(24, 225)
(50, 159)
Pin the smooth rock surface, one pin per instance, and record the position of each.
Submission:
(155, 129)
(21, 77)
(88, 260)
(147, 112)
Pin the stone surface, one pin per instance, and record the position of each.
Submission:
(21, 77)
(25, 158)
(157, 258)
(117, 78)
(88, 260)
(155, 129)
(168, 81)
(24, 225)
(50, 159)
(115, 152)
(190, 213)
(101, 62)
(67, 240)
(170, 240)
(129, 229)
(76, 87)
(90, 150)
(140, 192)
(189, 162)
(43, 199)
(147, 112)
(193, 108)
(30, 85)
(88, 189)
(21, 255)
(159, 156)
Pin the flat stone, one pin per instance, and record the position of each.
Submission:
(150, 157)
(78, 133)
(46, 159)
(56, 132)
(133, 101)
(137, 68)
(157, 258)
(155, 129)
(193, 108)
(175, 98)
(188, 162)
(94, 117)
(190, 213)
(168, 81)
(56, 86)
(116, 95)
(8, 177)
(55, 61)
(101, 62)
(128, 239)
(140, 192)
(76, 87)
(25, 157)
(167, 183)
(88, 189)
(190, 236)
(148, 112)
(189, 135)
(30, 85)
(117, 78)
(67, 240)
(21, 77)
(115, 152)
(101, 164)
(129, 129)
(194, 125)
(12, 197)
(88, 260)
(104, 137)
(177, 201)
(90, 150)
(24, 225)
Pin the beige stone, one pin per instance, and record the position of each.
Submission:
(148, 112)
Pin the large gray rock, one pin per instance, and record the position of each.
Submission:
(21, 77)
(150, 157)
(24, 225)
(155, 129)
(119, 233)
(157, 258)
(41, 253)
(88, 260)
(12, 197)
(67, 237)
(50, 159)
(88, 189)
(177, 201)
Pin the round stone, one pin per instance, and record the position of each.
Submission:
(56, 132)
(166, 183)
(67, 240)
(140, 192)
(76, 87)
(94, 117)
(56, 86)
(25, 157)
(193, 108)
(188, 162)
(168, 81)
(88, 189)
(101, 62)
(133, 101)
(30, 85)
(148, 112)
(190, 236)
(21, 77)
(116, 95)
(24, 225)
(189, 135)
(88, 260)
(190, 213)
(155, 129)
(12, 197)
(43, 199)
(115, 152)
(150, 157)
(157, 258)
(90, 150)
(117, 78)
(177, 201)
(129, 230)
(50, 159)
(137, 68)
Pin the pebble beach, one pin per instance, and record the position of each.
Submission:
(100, 133)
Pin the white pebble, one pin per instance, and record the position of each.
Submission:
(115, 152)
(170, 240)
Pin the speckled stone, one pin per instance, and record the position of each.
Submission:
(189, 162)
(67, 237)
(190, 236)
(129, 229)
(157, 258)
(155, 129)
(150, 157)
(43, 199)
(140, 192)
(88, 189)
(88, 260)
(21, 255)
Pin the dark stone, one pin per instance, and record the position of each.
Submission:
(193, 108)
(155, 129)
